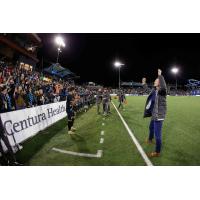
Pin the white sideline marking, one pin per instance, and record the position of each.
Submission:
(103, 124)
(101, 140)
(102, 132)
(141, 151)
(97, 155)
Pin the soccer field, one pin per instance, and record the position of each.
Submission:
(106, 141)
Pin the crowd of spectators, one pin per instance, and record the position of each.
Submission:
(179, 92)
(133, 91)
(140, 91)
(21, 88)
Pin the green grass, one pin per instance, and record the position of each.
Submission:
(181, 130)
(181, 137)
(117, 148)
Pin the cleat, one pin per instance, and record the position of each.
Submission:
(153, 154)
(147, 141)
(73, 129)
(71, 132)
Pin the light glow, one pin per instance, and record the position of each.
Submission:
(59, 41)
(118, 64)
(174, 70)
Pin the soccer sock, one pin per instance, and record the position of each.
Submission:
(72, 122)
(69, 125)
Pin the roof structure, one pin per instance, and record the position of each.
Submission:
(57, 70)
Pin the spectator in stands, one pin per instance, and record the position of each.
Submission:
(19, 96)
(11, 92)
(8, 101)
(56, 98)
(3, 102)
(30, 98)
(1, 77)
(40, 97)
(63, 94)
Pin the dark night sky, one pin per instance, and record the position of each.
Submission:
(91, 55)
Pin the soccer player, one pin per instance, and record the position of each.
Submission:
(155, 108)
(99, 100)
(105, 101)
(70, 110)
(109, 102)
(122, 99)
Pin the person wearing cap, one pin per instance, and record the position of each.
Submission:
(156, 106)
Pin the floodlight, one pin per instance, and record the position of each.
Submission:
(174, 70)
(118, 64)
(59, 41)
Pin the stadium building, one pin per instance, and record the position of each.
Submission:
(20, 49)
(56, 70)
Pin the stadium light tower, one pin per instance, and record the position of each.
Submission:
(118, 65)
(175, 71)
(60, 42)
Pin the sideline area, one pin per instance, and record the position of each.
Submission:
(117, 147)
(135, 141)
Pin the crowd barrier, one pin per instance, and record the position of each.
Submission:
(22, 124)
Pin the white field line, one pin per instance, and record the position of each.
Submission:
(140, 149)
(97, 155)
(102, 132)
(101, 140)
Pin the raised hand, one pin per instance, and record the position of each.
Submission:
(159, 72)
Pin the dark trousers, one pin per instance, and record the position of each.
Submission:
(70, 124)
(121, 104)
(70, 117)
(98, 107)
(155, 128)
(105, 107)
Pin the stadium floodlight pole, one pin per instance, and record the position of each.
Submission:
(118, 65)
(58, 54)
(175, 71)
(60, 42)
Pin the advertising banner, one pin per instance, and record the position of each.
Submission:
(22, 124)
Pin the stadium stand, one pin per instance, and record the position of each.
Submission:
(21, 88)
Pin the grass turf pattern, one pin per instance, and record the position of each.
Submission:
(181, 129)
(181, 137)
(117, 148)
